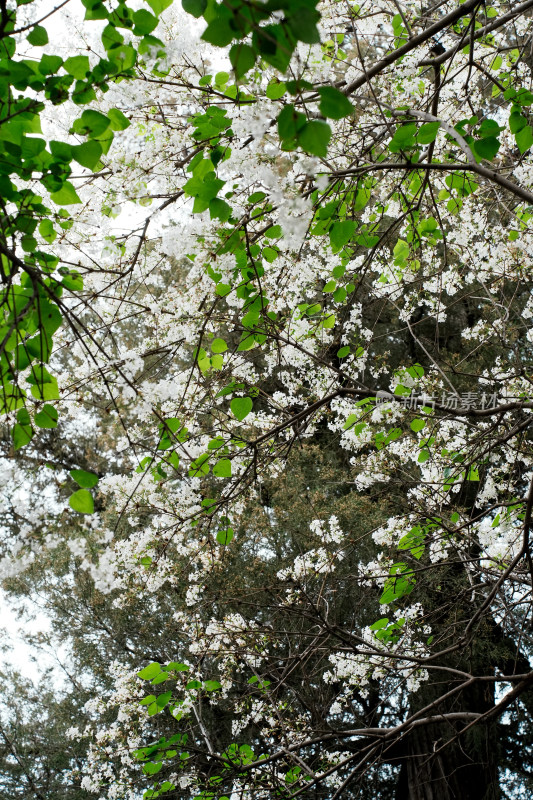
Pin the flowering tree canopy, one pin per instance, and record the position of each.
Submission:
(265, 351)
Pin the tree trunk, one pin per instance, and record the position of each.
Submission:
(451, 774)
(440, 763)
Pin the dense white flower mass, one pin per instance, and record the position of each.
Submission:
(332, 252)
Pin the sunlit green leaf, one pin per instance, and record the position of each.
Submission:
(82, 501)
(241, 407)
(83, 478)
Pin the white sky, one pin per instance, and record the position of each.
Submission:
(19, 654)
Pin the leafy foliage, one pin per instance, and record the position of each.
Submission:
(264, 359)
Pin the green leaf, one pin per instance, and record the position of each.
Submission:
(82, 501)
(77, 66)
(486, 148)
(302, 22)
(22, 434)
(418, 425)
(524, 138)
(163, 699)
(144, 22)
(242, 58)
(151, 698)
(38, 347)
(39, 375)
(427, 133)
(212, 686)
(32, 146)
(23, 417)
(12, 131)
(38, 36)
(49, 317)
(314, 138)
(416, 371)
(343, 352)
(47, 417)
(87, 154)
(275, 89)
(401, 252)
(158, 6)
(222, 289)
(413, 541)
(241, 407)
(61, 150)
(274, 232)
(124, 56)
(516, 122)
(46, 391)
(489, 127)
(46, 229)
(111, 37)
(195, 7)
(341, 233)
(404, 137)
(256, 197)
(221, 78)
(8, 46)
(150, 671)
(91, 123)
(290, 122)
(218, 346)
(49, 65)
(269, 254)
(380, 623)
(224, 537)
(247, 342)
(292, 775)
(334, 104)
(84, 479)
(219, 209)
(83, 93)
(222, 468)
(204, 188)
(119, 122)
(200, 466)
(151, 768)
(219, 34)
(275, 44)
(523, 97)
(400, 583)
(66, 196)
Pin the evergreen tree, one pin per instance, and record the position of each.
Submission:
(265, 357)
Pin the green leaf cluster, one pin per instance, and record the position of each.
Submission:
(296, 131)
(30, 312)
(274, 43)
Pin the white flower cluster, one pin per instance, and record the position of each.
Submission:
(196, 307)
